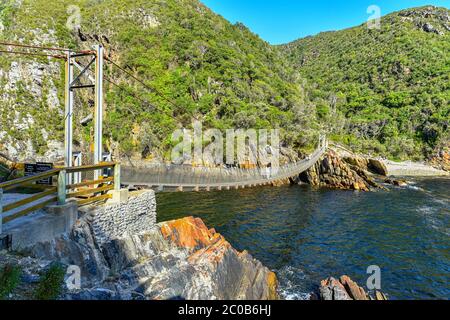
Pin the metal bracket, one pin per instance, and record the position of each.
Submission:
(82, 72)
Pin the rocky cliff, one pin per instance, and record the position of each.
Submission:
(180, 259)
(349, 173)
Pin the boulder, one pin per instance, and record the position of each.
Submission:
(377, 167)
(332, 289)
(397, 183)
(345, 289)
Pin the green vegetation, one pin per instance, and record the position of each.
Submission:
(9, 280)
(51, 283)
(204, 67)
(383, 91)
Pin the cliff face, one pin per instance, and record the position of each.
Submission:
(180, 259)
(348, 173)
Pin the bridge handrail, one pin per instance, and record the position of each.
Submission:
(61, 191)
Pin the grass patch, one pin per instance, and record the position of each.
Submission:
(9, 280)
(50, 285)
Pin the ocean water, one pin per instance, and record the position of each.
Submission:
(306, 235)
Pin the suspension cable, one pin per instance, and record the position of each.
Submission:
(36, 47)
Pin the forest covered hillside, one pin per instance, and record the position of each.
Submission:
(383, 91)
(195, 64)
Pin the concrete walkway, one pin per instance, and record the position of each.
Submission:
(413, 169)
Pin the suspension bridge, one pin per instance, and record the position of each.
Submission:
(108, 184)
(188, 178)
(79, 75)
(64, 188)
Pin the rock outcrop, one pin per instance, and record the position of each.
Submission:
(350, 173)
(441, 161)
(397, 183)
(180, 259)
(345, 289)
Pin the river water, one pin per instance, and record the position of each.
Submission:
(306, 235)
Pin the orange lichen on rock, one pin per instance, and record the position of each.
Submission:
(355, 291)
(213, 253)
(241, 276)
(272, 284)
(190, 233)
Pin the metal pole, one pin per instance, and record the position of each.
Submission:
(68, 141)
(98, 113)
(77, 162)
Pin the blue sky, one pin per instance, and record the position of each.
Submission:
(282, 21)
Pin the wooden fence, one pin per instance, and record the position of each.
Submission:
(84, 193)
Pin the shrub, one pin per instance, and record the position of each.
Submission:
(9, 280)
(50, 284)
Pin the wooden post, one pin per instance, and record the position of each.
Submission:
(62, 188)
(117, 177)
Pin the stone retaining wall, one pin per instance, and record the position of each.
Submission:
(114, 220)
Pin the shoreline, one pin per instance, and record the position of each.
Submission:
(412, 169)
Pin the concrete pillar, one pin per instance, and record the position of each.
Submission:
(117, 177)
(119, 196)
(62, 188)
(68, 211)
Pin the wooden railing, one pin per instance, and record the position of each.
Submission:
(84, 193)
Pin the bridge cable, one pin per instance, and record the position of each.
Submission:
(39, 47)
(33, 54)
